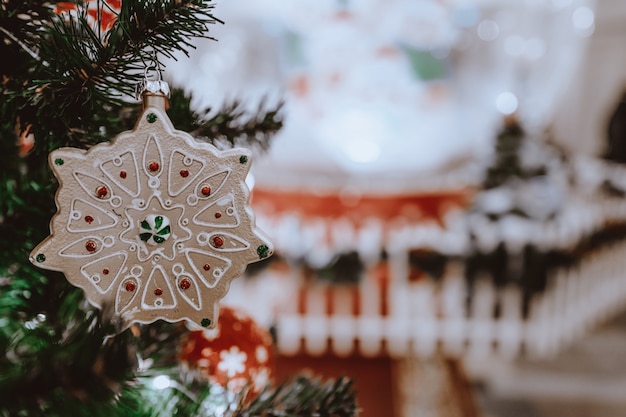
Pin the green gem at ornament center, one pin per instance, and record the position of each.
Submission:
(205, 322)
(155, 229)
(151, 117)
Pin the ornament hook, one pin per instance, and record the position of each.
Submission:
(157, 68)
(151, 86)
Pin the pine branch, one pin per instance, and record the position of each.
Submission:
(302, 397)
(235, 126)
(61, 360)
(230, 126)
(305, 397)
(59, 96)
(162, 26)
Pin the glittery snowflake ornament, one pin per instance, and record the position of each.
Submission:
(154, 223)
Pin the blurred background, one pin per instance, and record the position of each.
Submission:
(447, 197)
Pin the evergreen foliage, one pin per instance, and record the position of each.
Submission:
(65, 80)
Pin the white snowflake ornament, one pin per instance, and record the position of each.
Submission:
(154, 223)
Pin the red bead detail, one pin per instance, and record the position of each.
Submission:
(184, 173)
(207, 267)
(154, 166)
(129, 286)
(218, 242)
(91, 246)
(184, 284)
(105, 271)
(122, 174)
(206, 190)
(89, 219)
(102, 191)
(218, 215)
(158, 291)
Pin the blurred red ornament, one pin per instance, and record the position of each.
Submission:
(237, 354)
(26, 141)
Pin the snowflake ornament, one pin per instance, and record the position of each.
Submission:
(237, 355)
(154, 223)
(232, 361)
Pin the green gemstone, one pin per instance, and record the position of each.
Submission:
(205, 322)
(41, 257)
(165, 231)
(151, 117)
(243, 159)
(263, 251)
(59, 162)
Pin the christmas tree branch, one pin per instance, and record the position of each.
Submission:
(230, 126)
(95, 71)
(25, 47)
(304, 397)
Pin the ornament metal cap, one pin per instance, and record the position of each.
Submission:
(153, 92)
(154, 87)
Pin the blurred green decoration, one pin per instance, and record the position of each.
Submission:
(345, 268)
(66, 80)
(531, 266)
(294, 54)
(426, 65)
(506, 165)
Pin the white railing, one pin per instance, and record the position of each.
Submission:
(396, 317)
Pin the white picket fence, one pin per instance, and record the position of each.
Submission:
(424, 317)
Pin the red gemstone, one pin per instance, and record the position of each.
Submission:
(102, 191)
(154, 166)
(158, 291)
(89, 219)
(122, 174)
(91, 246)
(207, 267)
(185, 284)
(218, 215)
(218, 242)
(105, 271)
(184, 173)
(129, 286)
(206, 190)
